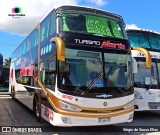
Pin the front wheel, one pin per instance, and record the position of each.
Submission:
(37, 109)
(13, 95)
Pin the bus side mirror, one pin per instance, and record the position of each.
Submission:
(60, 48)
(134, 65)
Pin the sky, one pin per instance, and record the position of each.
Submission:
(136, 14)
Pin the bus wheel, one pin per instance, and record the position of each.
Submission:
(13, 95)
(37, 109)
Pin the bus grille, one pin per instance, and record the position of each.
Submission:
(153, 105)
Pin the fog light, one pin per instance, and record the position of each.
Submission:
(66, 120)
(130, 117)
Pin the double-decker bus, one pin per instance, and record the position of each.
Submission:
(75, 69)
(4, 78)
(146, 80)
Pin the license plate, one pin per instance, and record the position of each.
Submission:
(158, 107)
(103, 120)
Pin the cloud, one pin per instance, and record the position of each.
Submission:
(98, 2)
(34, 11)
(132, 26)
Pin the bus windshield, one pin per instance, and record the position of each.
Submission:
(92, 24)
(146, 77)
(117, 70)
(83, 70)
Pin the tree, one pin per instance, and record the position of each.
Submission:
(7, 62)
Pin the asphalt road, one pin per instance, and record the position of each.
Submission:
(16, 115)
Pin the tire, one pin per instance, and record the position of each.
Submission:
(13, 95)
(37, 109)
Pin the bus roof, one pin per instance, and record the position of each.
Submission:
(142, 30)
(89, 9)
(148, 44)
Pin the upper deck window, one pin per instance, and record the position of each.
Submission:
(138, 40)
(154, 41)
(92, 24)
(145, 40)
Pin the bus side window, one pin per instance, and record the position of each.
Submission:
(45, 28)
(42, 72)
(48, 74)
(51, 75)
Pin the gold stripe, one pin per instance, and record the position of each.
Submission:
(91, 115)
(94, 109)
(54, 102)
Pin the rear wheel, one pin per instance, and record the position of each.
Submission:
(37, 109)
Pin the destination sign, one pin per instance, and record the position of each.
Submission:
(102, 44)
(136, 53)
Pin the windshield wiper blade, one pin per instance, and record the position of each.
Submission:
(78, 90)
(112, 84)
(91, 84)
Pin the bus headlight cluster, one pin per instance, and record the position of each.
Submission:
(137, 95)
(129, 105)
(69, 107)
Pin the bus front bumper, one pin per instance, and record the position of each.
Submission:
(68, 121)
(57, 119)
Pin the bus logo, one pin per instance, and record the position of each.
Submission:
(48, 113)
(67, 97)
(87, 42)
(17, 10)
(6, 129)
(104, 96)
(108, 44)
(105, 103)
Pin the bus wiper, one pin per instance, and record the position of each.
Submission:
(149, 86)
(112, 84)
(91, 84)
(78, 90)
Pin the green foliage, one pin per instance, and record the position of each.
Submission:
(7, 62)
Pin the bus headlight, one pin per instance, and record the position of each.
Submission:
(129, 105)
(69, 107)
(137, 95)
